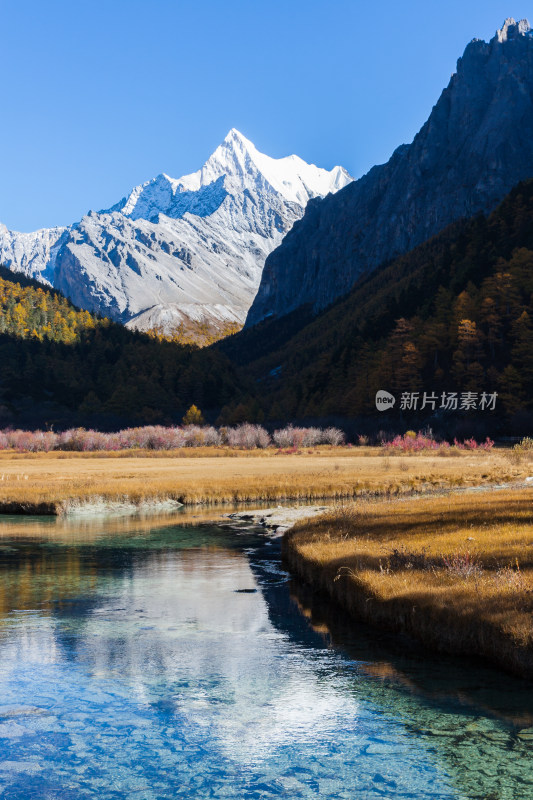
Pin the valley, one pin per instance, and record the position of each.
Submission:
(266, 429)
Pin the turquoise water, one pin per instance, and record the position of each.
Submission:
(157, 660)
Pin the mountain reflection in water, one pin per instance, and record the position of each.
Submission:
(135, 661)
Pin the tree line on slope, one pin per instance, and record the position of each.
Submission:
(60, 365)
(453, 315)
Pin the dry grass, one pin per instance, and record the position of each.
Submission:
(45, 483)
(455, 571)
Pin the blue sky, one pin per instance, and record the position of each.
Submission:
(98, 96)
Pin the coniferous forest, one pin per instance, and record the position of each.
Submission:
(453, 315)
(60, 365)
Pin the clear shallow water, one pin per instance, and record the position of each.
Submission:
(150, 659)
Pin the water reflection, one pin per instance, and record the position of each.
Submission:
(478, 720)
(136, 660)
(399, 661)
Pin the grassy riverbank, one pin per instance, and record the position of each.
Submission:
(456, 572)
(50, 483)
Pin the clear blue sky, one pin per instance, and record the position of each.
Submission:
(100, 95)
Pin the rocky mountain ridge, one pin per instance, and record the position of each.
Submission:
(476, 145)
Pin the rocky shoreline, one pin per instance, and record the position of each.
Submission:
(277, 520)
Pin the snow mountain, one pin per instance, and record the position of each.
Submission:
(178, 251)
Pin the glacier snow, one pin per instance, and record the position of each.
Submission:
(177, 250)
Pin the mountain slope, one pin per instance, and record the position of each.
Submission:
(476, 145)
(183, 250)
(455, 314)
(63, 366)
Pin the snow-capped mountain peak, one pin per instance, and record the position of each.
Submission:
(238, 161)
(292, 177)
(178, 249)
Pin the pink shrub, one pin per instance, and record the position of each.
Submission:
(70, 439)
(312, 437)
(155, 437)
(413, 444)
(464, 565)
(212, 437)
(284, 437)
(298, 437)
(293, 437)
(419, 442)
(26, 441)
(138, 438)
(247, 437)
(114, 442)
(196, 436)
(193, 436)
(44, 441)
(333, 436)
(93, 440)
(471, 444)
(158, 437)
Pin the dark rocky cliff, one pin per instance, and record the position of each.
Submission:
(476, 145)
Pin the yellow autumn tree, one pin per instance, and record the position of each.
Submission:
(193, 417)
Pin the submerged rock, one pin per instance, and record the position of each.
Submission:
(278, 519)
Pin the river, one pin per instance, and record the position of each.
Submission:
(163, 658)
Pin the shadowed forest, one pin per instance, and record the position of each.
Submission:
(455, 314)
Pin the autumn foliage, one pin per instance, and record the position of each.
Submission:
(453, 315)
(29, 312)
(159, 437)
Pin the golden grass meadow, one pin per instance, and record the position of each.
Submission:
(54, 482)
(455, 571)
